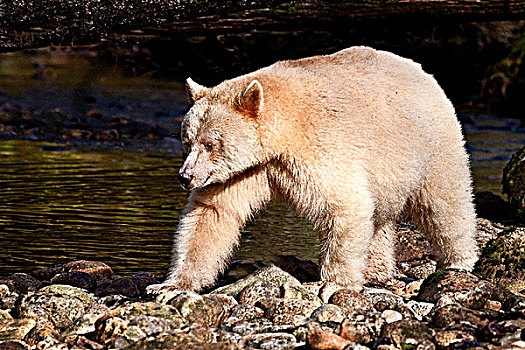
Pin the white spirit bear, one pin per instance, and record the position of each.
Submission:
(349, 139)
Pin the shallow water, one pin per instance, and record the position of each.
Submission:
(59, 204)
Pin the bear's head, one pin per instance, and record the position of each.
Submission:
(220, 132)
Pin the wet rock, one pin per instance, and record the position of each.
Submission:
(362, 327)
(349, 300)
(57, 304)
(303, 270)
(257, 291)
(97, 269)
(132, 287)
(289, 311)
(491, 206)
(463, 287)
(76, 279)
(407, 334)
(271, 274)
(47, 273)
(270, 341)
(16, 329)
(503, 258)
(514, 183)
(318, 339)
(198, 309)
(328, 313)
(23, 283)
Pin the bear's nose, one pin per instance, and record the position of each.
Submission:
(185, 179)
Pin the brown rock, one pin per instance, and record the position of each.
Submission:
(318, 339)
(23, 283)
(361, 326)
(289, 311)
(97, 269)
(16, 329)
(349, 300)
(455, 316)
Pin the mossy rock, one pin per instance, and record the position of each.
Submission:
(503, 257)
(514, 183)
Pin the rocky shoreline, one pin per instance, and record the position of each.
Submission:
(83, 305)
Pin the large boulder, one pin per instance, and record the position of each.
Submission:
(514, 183)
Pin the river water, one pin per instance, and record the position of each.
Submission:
(59, 204)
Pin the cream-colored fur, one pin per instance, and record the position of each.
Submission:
(349, 139)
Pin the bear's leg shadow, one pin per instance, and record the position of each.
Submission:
(345, 239)
(208, 230)
(445, 212)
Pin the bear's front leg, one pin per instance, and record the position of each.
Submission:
(209, 228)
(345, 240)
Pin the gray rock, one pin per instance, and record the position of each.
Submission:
(419, 308)
(60, 305)
(257, 291)
(268, 341)
(271, 274)
(289, 291)
(382, 296)
(243, 313)
(198, 309)
(327, 313)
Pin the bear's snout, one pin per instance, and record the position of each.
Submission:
(185, 179)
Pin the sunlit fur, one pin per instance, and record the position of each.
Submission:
(350, 140)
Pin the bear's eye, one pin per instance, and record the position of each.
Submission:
(208, 146)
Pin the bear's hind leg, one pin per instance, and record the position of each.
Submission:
(381, 257)
(445, 212)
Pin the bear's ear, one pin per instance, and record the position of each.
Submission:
(251, 99)
(194, 91)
